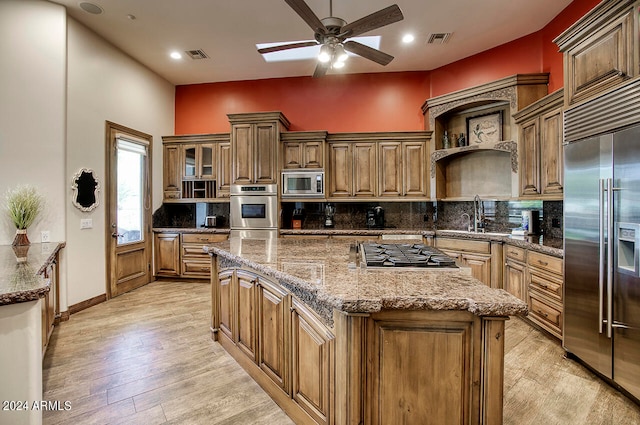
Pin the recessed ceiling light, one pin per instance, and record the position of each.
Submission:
(91, 8)
(408, 38)
(175, 55)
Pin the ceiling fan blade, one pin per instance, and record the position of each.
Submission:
(321, 69)
(378, 19)
(287, 47)
(305, 12)
(368, 52)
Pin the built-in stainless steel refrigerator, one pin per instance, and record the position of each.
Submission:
(601, 247)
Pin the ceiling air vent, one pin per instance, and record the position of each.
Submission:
(439, 38)
(196, 54)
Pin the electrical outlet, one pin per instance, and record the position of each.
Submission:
(86, 223)
(555, 222)
(45, 236)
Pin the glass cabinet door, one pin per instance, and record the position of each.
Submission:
(189, 162)
(206, 161)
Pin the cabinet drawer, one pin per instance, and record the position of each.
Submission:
(171, 194)
(194, 250)
(545, 262)
(203, 238)
(196, 268)
(545, 313)
(516, 253)
(483, 247)
(550, 285)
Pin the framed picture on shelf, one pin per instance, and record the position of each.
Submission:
(484, 128)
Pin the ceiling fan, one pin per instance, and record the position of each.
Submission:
(332, 35)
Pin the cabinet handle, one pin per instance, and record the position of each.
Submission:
(543, 285)
(544, 263)
(542, 313)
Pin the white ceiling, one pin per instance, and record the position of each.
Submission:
(228, 30)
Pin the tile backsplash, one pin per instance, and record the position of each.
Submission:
(500, 216)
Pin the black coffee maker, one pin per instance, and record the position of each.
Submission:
(375, 218)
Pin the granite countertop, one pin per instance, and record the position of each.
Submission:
(322, 274)
(191, 230)
(21, 282)
(545, 245)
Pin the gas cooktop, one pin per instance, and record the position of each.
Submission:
(403, 255)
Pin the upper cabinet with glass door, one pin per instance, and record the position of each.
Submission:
(196, 168)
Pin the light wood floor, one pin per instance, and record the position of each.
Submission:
(146, 357)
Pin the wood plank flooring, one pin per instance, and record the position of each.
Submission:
(146, 357)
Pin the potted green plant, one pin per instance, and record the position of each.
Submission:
(23, 203)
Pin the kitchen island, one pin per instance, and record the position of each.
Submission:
(335, 343)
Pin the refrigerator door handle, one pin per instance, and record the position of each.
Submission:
(601, 256)
(610, 241)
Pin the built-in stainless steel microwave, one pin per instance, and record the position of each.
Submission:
(303, 184)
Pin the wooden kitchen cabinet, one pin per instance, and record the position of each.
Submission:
(51, 301)
(278, 340)
(365, 170)
(541, 159)
(196, 168)
(254, 143)
(195, 262)
(246, 314)
(303, 149)
(166, 250)
(545, 291)
(312, 352)
(224, 170)
(171, 176)
(600, 50)
(474, 254)
(377, 165)
(515, 272)
(274, 333)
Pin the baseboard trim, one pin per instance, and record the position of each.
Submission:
(87, 303)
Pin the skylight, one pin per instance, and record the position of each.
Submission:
(311, 52)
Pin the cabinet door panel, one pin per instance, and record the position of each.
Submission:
(246, 320)
(311, 362)
(189, 162)
(340, 184)
(207, 161)
(292, 155)
(265, 154)
(365, 172)
(480, 267)
(225, 280)
(551, 152)
(171, 172)
(272, 333)
(414, 169)
(530, 158)
(224, 170)
(242, 163)
(312, 156)
(515, 279)
(390, 169)
(167, 254)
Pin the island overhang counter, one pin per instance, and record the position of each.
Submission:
(336, 343)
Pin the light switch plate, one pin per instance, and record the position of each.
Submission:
(86, 223)
(45, 236)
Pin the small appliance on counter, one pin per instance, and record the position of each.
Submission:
(530, 224)
(212, 221)
(329, 212)
(375, 217)
(296, 221)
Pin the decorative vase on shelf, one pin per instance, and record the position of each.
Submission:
(445, 141)
(21, 238)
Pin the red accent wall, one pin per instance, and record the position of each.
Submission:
(336, 103)
(371, 102)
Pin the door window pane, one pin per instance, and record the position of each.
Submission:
(130, 196)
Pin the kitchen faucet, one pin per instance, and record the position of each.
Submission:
(469, 226)
(478, 214)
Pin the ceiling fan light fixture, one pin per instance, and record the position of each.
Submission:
(337, 64)
(325, 54)
(340, 54)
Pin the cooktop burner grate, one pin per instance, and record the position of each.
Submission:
(404, 255)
